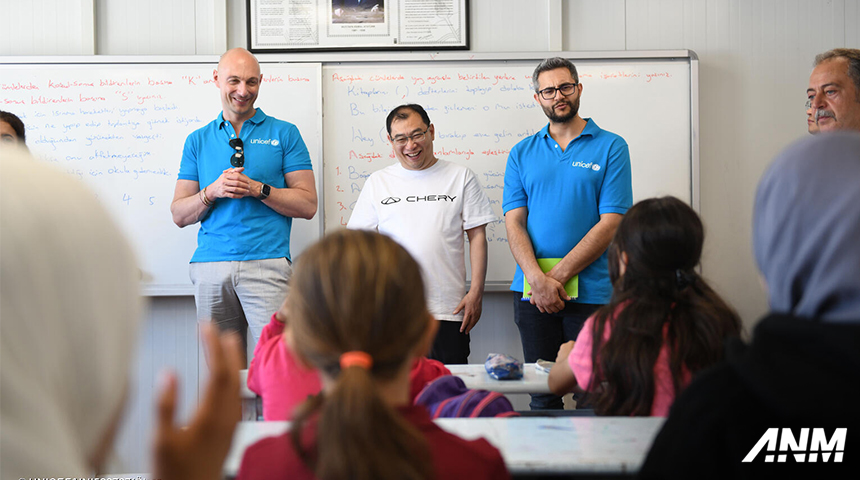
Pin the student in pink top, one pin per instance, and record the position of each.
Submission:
(284, 382)
(662, 325)
(356, 311)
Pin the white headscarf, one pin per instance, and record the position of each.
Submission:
(69, 312)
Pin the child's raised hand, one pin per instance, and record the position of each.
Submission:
(197, 452)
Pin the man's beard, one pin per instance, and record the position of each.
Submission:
(555, 118)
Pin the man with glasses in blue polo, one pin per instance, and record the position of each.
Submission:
(425, 204)
(244, 177)
(566, 188)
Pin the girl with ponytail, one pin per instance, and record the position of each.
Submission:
(357, 314)
(663, 323)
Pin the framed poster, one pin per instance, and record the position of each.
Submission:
(283, 26)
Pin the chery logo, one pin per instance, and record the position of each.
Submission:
(390, 201)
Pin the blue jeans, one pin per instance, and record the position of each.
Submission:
(543, 333)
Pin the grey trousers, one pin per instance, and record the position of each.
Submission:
(236, 295)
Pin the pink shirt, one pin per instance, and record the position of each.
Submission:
(581, 366)
(283, 382)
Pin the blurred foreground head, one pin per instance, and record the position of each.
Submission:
(806, 228)
(70, 308)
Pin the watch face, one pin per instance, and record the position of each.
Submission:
(266, 190)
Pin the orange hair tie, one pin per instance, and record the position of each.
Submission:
(356, 358)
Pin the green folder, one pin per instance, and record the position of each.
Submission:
(546, 264)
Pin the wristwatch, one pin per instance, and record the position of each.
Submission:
(265, 190)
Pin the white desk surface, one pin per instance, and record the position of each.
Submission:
(249, 398)
(476, 376)
(529, 445)
(244, 391)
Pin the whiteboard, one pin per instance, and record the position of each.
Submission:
(481, 105)
(482, 108)
(121, 127)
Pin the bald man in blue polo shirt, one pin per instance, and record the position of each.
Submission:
(244, 177)
(566, 188)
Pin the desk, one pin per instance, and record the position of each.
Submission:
(251, 408)
(476, 376)
(530, 446)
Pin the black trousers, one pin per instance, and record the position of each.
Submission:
(543, 333)
(450, 346)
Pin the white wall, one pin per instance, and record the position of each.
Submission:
(754, 68)
(47, 27)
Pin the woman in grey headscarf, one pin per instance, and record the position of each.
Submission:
(806, 237)
(70, 312)
(806, 230)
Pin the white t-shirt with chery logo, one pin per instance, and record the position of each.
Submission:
(427, 212)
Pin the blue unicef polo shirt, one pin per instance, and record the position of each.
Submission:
(244, 228)
(566, 192)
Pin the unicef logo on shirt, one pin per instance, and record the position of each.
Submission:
(275, 142)
(590, 165)
(269, 141)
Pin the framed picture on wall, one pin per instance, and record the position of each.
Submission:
(284, 26)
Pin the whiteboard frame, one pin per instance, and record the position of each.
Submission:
(338, 58)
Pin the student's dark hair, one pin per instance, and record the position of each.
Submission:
(16, 125)
(402, 113)
(552, 64)
(358, 291)
(660, 290)
(852, 56)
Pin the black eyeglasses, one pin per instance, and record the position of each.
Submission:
(402, 140)
(238, 158)
(565, 89)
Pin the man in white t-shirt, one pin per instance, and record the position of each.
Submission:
(426, 204)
